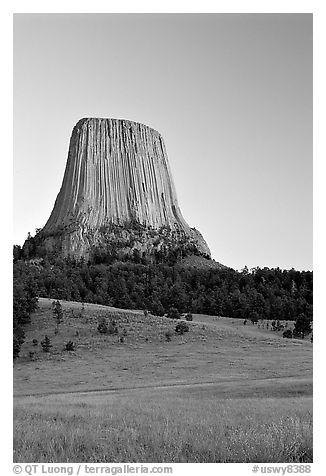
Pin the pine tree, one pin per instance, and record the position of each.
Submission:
(57, 314)
(302, 326)
(46, 344)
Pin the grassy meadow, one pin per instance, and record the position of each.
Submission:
(223, 392)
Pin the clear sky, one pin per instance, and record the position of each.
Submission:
(230, 93)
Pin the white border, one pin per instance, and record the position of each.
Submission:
(168, 6)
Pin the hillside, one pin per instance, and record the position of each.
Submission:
(223, 392)
(215, 351)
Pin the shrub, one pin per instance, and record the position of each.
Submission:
(70, 346)
(254, 317)
(173, 313)
(113, 328)
(188, 316)
(105, 328)
(82, 311)
(18, 340)
(157, 309)
(46, 344)
(181, 328)
(287, 334)
(302, 326)
(35, 342)
(102, 326)
(168, 336)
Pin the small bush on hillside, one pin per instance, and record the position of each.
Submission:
(181, 328)
(254, 317)
(113, 328)
(70, 346)
(287, 334)
(157, 309)
(173, 313)
(107, 328)
(279, 326)
(188, 316)
(82, 311)
(103, 326)
(302, 326)
(18, 340)
(168, 336)
(46, 344)
(35, 342)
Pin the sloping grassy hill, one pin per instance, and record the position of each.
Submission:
(215, 350)
(223, 392)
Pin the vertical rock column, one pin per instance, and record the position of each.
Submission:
(118, 173)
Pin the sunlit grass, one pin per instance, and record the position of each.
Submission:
(156, 427)
(223, 392)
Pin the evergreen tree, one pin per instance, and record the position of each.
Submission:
(156, 308)
(173, 313)
(18, 340)
(57, 313)
(302, 326)
(46, 344)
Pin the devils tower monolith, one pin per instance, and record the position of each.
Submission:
(118, 196)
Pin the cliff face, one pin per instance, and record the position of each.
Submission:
(117, 182)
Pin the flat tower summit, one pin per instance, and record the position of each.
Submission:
(118, 192)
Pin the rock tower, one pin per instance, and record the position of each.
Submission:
(118, 194)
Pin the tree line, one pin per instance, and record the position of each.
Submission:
(261, 293)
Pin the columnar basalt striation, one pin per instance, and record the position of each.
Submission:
(117, 182)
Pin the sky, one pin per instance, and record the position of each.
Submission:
(230, 93)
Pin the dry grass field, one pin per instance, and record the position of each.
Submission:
(223, 392)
